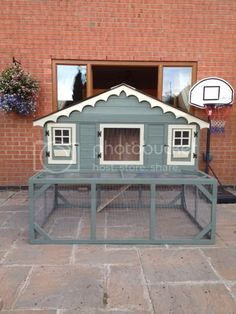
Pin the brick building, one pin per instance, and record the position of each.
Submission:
(113, 41)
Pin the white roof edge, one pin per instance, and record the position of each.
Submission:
(116, 91)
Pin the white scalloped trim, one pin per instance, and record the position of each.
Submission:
(129, 91)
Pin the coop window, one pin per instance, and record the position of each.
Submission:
(181, 147)
(121, 144)
(62, 136)
(181, 138)
(61, 139)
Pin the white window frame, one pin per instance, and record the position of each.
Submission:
(192, 144)
(51, 127)
(122, 126)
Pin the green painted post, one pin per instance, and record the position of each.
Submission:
(152, 222)
(31, 210)
(213, 211)
(93, 211)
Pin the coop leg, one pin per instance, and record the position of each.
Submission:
(152, 218)
(93, 212)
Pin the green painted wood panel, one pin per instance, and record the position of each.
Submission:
(88, 138)
(154, 141)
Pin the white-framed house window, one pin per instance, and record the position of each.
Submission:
(61, 143)
(181, 145)
(121, 144)
(62, 136)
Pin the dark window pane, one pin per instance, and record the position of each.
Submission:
(185, 141)
(66, 140)
(58, 132)
(177, 133)
(58, 140)
(141, 77)
(186, 134)
(66, 132)
(177, 141)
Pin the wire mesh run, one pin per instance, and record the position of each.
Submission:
(121, 213)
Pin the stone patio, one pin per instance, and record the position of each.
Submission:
(69, 279)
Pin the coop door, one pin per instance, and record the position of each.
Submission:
(181, 148)
(61, 143)
(121, 144)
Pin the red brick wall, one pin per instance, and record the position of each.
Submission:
(35, 32)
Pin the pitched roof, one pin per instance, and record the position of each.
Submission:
(116, 90)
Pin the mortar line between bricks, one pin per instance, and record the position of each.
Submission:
(222, 280)
(147, 294)
(22, 287)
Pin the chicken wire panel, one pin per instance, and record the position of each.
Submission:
(123, 212)
(44, 203)
(174, 219)
(198, 205)
(70, 218)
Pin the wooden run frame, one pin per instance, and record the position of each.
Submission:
(89, 88)
(199, 180)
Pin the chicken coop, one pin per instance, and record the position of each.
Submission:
(121, 167)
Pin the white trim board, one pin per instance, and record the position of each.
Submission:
(117, 90)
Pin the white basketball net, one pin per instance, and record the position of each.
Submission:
(218, 116)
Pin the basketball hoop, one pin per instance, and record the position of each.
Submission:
(217, 116)
(216, 96)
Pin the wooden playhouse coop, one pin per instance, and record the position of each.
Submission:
(121, 167)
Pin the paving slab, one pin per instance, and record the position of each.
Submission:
(227, 234)
(233, 289)
(17, 220)
(5, 194)
(224, 261)
(15, 208)
(63, 287)
(24, 253)
(11, 279)
(104, 311)
(175, 265)
(126, 289)
(16, 201)
(2, 253)
(8, 237)
(4, 216)
(97, 254)
(192, 299)
(30, 312)
(226, 216)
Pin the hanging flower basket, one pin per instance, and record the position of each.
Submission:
(18, 91)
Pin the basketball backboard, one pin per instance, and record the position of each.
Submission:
(211, 91)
